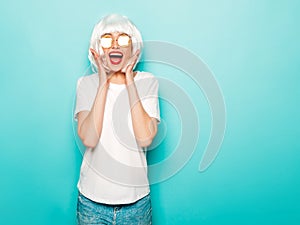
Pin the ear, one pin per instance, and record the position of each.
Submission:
(94, 53)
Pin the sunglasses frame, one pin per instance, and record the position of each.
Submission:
(111, 40)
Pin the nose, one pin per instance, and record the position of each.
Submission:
(115, 43)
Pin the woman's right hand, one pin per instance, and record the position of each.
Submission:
(90, 122)
(103, 76)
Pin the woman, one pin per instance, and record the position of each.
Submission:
(117, 113)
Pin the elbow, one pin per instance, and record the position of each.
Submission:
(145, 132)
(144, 143)
(88, 141)
(89, 144)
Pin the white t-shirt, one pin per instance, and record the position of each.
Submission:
(115, 171)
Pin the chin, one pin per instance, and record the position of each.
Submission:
(117, 68)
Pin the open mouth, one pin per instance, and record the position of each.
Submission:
(115, 57)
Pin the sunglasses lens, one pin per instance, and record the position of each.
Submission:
(123, 40)
(106, 42)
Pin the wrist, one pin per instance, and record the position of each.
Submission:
(129, 80)
(103, 84)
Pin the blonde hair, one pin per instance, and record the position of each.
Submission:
(114, 23)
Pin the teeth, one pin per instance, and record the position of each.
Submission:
(119, 55)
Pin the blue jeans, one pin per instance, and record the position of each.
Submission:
(92, 213)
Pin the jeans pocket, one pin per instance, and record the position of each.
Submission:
(144, 210)
(86, 211)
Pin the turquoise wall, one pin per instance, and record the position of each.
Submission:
(252, 48)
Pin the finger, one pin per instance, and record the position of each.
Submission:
(136, 55)
(99, 62)
(94, 53)
(133, 59)
(95, 56)
(129, 68)
(101, 66)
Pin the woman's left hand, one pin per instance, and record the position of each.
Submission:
(129, 69)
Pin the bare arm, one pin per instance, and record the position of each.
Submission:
(90, 122)
(144, 126)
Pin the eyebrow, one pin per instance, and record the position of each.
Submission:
(106, 34)
(110, 34)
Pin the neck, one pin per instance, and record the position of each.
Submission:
(117, 77)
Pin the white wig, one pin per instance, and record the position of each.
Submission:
(114, 23)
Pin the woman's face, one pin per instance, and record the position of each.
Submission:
(117, 48)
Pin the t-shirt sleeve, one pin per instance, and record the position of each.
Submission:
(150, 100)
(84, 97)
